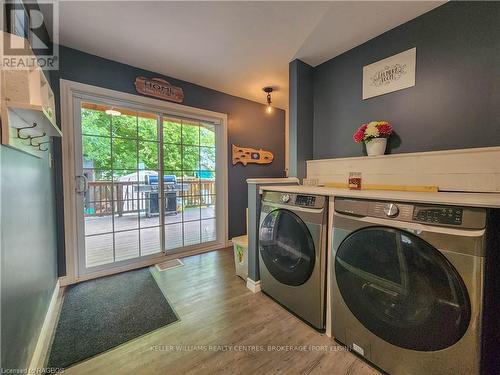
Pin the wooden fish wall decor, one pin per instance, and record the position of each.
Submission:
(245, 155)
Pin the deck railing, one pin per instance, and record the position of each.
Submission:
(105, 197)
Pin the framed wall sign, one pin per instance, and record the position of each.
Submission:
(391, 74)
(159, 88)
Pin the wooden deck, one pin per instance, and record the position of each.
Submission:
(137, 235)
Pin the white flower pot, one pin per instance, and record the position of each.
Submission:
(376, 146)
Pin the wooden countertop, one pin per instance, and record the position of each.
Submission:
(450, 198)
(272, 180)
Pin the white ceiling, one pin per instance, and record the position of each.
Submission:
(234, 47)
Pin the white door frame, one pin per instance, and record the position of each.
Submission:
(69, 92)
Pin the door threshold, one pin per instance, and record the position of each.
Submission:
(65, 280)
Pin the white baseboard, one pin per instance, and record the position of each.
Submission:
(41, 348)
(254, 286)
(65, 281)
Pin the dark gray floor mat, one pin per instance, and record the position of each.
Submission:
(100, 314)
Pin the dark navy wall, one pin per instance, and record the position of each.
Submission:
(28, 249)
(454, 104)
(301, 117)
(28, 252)
(248, 123)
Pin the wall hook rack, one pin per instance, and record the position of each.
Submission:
(35, 137)
(42, 143)
(26, 127)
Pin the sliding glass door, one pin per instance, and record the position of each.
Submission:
(189, 152)
(146, 184)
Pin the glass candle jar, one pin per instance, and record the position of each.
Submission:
(354, 180)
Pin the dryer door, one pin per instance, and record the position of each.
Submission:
(287, 247)
(402, 289)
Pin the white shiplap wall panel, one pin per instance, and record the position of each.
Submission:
(475, 169)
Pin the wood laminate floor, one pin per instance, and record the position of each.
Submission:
(224, 329)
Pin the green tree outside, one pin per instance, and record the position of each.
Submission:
(126, 143)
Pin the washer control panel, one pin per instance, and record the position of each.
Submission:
(305, 200)
(294, 199)
(285, 198)
(438, 215)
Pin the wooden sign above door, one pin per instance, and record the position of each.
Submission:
(159, 88)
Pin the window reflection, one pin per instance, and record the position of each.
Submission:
(402, 289)
(287, 247)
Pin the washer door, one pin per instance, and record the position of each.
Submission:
(287, 247)
(402, 289)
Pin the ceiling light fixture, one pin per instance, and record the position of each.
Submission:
(112, 112)
(268, 90)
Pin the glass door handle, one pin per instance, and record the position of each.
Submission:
(79, 188)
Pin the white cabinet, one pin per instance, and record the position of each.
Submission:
(27, 103)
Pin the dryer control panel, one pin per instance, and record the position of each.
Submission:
(440, 215)
(429, 214)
